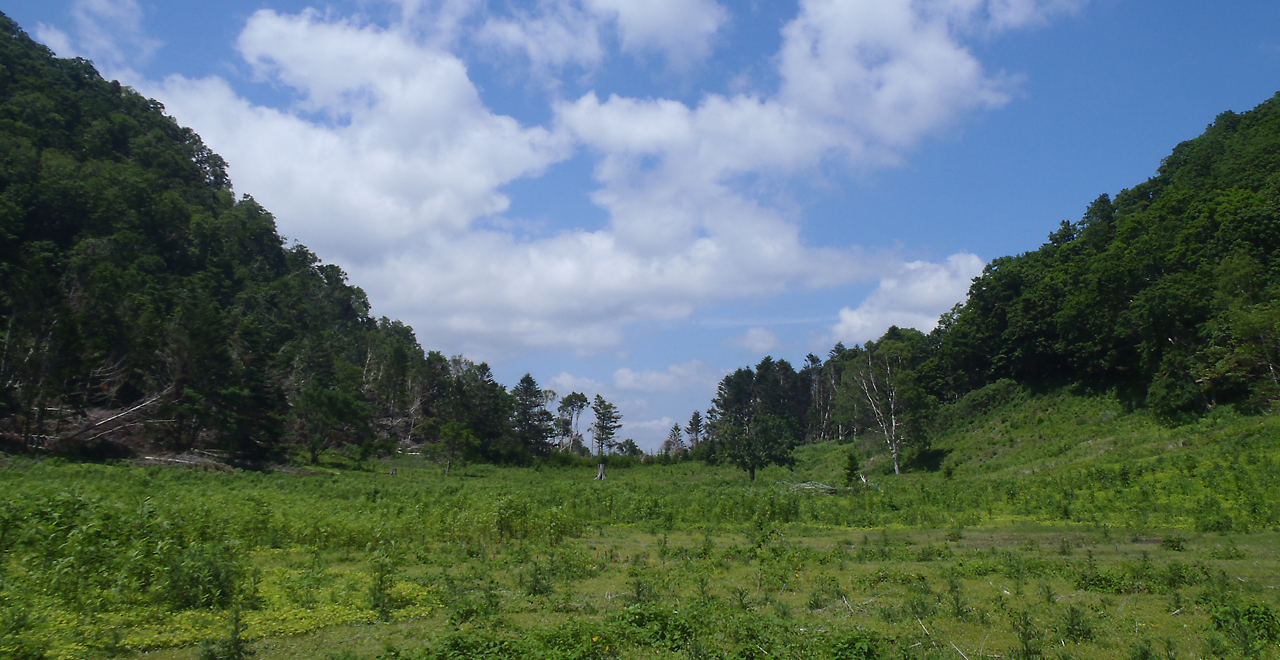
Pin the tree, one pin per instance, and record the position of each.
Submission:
(457, 445)
(570, 410)
(603, 429)
(852, 469)
(629, 447)
(531, 422)
(694, 429)
(754, 417)
(883, 379)
(673, 446)
(330, 417)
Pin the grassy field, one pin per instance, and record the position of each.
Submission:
(1055, 527)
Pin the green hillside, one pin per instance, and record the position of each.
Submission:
(142, 305)
(1165, 299)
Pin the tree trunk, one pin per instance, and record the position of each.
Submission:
(752, 471)
(600, 472)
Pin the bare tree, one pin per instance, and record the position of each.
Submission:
(880, 377)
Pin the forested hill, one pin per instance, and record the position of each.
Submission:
(141, 301)
(1167, 293)
(1168, 296)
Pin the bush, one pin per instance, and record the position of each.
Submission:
(1250, 627)
(856, 645)
(231, 647)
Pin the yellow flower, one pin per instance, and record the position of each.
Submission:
(595, 639)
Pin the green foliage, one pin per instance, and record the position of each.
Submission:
(852, 469)
(231, 647)
(135, 287)
(606, 424)
(755, 419)
(1250, 628)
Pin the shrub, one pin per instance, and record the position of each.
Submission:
(1075, 625)
(231, 647)
(1250, 627)
(1024, 628)
(856, 645)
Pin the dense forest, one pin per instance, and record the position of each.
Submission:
(142, 302)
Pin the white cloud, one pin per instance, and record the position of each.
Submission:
(756, 341)
(565, 383)
(400, 151)
(675, 378)
(57, 40)
(108, 32)
(680, 29)
(390, 156)
(561, 33)
(663, 425)
(1000, 15)
(914, 297)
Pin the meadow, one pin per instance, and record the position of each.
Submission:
(1056, 526)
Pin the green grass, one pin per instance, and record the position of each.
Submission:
(1056, 527)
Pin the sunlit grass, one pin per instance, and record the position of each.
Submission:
(1060, 526)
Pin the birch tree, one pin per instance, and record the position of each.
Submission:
(882, 381)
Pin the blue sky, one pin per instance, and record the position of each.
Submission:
(633, 197)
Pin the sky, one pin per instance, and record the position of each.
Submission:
(635, 197)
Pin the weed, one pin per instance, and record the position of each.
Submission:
(1075, 625)
(956, 599)
(534, 581)
(856, 645)
(381, 584)
(1249, 628)
(1230, 552)
(231, 647)
(1143, 650)
(1029, 637)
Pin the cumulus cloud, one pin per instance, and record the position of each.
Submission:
(389, 149)
(565, 382)
(675, 378)
(913, 297)
(757, 341)
(389, 158)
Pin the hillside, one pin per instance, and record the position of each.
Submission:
(143, 305)
(1165, 299)
(1167, 294)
